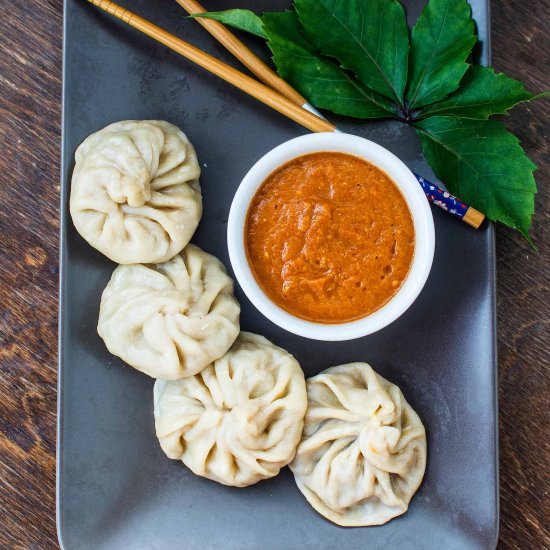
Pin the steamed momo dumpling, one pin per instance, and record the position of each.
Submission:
(239, 420)
(172, 319)
(363, 451)
(135, 193)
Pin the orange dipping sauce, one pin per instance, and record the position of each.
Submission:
(329, 237)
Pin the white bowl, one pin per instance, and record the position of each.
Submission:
(409, 187)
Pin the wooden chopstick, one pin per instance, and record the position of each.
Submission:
(245, 83)
(244, 54)
(290, 107)
(221, 33)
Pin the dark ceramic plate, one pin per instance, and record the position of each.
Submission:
(116, 489)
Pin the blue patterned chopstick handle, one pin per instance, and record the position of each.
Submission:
(442, 198)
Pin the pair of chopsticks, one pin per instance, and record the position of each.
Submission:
(275, 92)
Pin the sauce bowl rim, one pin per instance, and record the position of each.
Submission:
(414, 196)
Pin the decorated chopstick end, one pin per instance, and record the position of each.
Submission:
(450, 203)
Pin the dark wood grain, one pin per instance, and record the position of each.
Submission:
(30, 93)
(521, 48)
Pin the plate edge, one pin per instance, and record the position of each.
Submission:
(61, 300)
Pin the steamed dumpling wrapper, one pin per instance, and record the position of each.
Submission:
(239, 420)
(135, 193)
(171, 319)
(363, 451)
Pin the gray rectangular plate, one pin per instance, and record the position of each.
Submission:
(116, 489)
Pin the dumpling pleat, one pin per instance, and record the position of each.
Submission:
(154, 317)
(144, 176)
(252, 402)
(363, 450)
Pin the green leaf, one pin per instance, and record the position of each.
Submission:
(369, 38)
(244, 20)
(319, 80)
(352, 57)
(442, 39)
(482, 93)
(483, 164)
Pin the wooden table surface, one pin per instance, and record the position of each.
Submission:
(30, 99)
